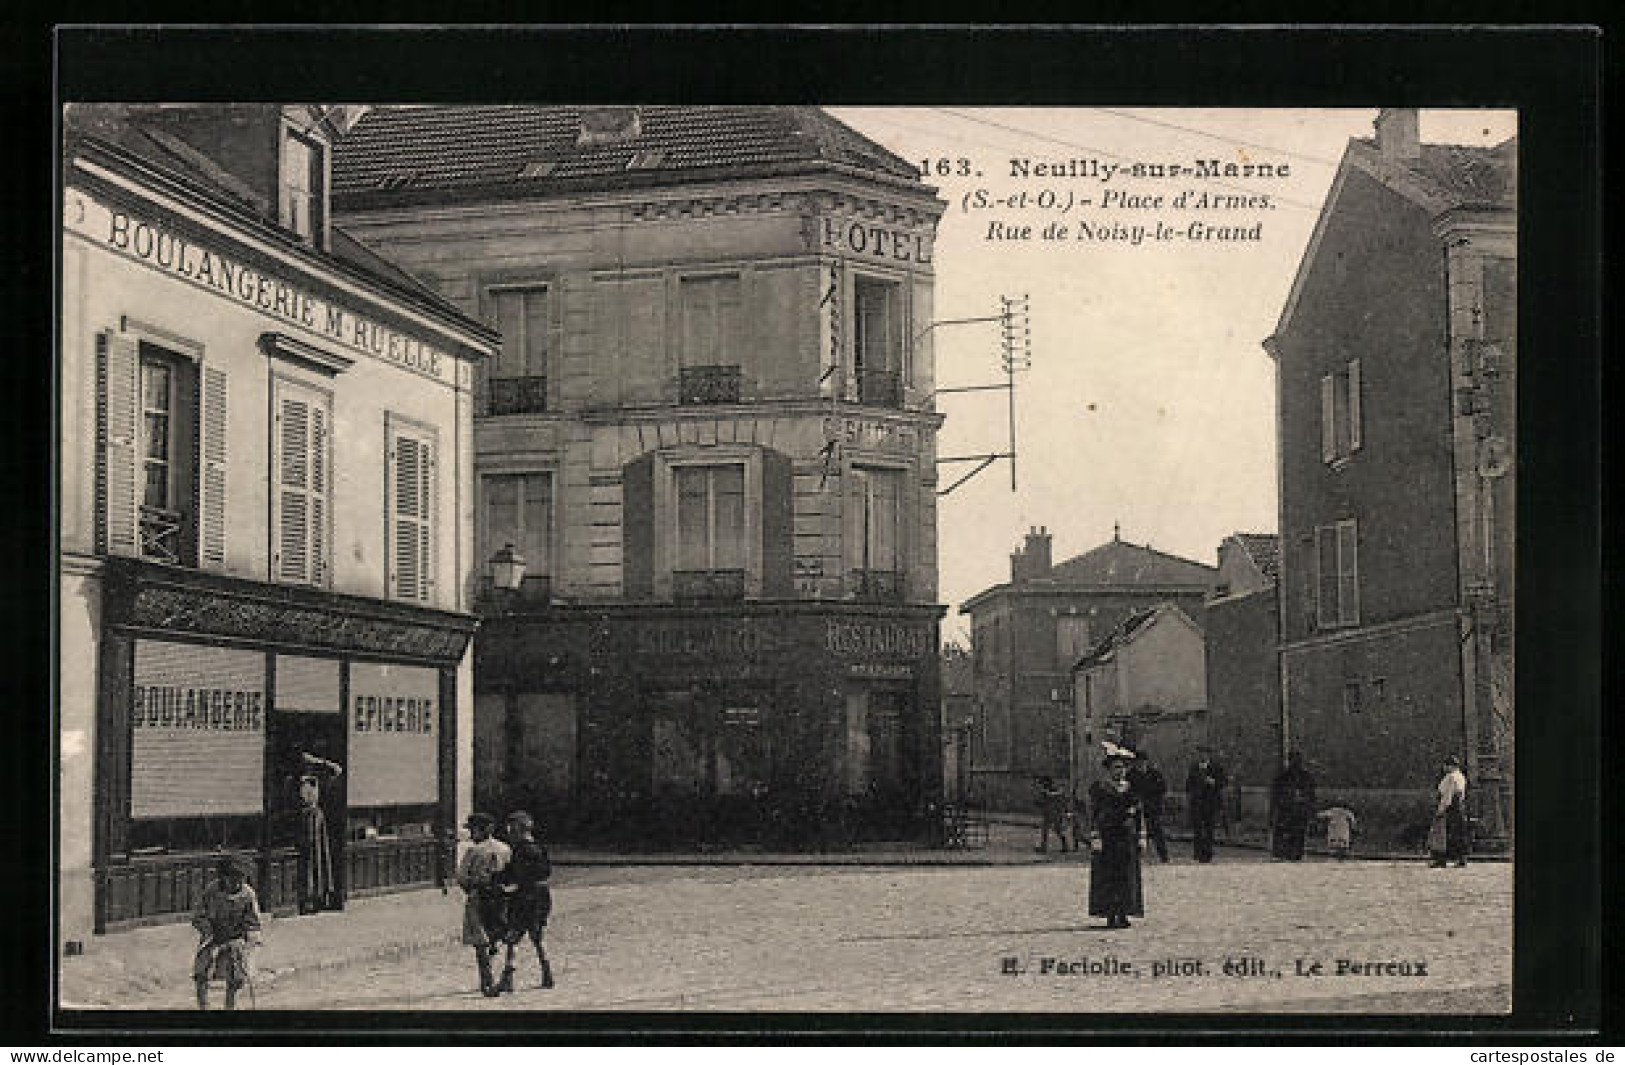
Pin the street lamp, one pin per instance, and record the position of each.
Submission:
(507, 568)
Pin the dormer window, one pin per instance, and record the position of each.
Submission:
(302, 195)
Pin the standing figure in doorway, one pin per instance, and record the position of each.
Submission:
(318, 889)
(1292, 804)
(1114, 845)
(1204, 791)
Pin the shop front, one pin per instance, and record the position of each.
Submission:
(313, 733)
(761, 724)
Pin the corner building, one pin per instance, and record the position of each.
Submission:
(264, 520)
(709, 434)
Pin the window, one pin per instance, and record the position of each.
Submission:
(162, 433)
(877, 341)
(519, 511)
(1351, 696)
(301, 483)
(710, 531)
(1071, 638)
(165, 466)
(713, 339)
(1337, 550)
(410, 529)
(874, 526)
(1340, 413)
(303, 192)
(517, 375)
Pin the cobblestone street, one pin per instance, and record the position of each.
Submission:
(1242, 934)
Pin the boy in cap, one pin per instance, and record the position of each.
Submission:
(228, 919)
(524, 881)
(482, 861)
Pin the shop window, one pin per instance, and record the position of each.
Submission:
(301, 509)
(712, 339)
(874, 533)
(1340, 413)
(392, 822)
(410, 513)
(1337, 552)
(183, 835)
(302, 199)
(877, 341)
(519, 511)
(516, 377)
(710, 532)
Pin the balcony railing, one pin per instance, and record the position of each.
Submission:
(876, 585)
(880, 388)
(709, 384)
(160, 534)
(708, 585)
(517, 395)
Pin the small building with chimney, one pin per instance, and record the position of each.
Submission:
(1396, 369)
(1028, 632)
(709, 437)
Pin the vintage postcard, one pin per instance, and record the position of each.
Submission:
(682, 558)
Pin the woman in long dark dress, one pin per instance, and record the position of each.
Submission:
(1114, 846)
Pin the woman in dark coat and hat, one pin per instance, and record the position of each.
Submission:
(1114, 844)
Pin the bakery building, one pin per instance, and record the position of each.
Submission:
(265, 522)
(709, 438)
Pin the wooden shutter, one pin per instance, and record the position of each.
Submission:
(212, 423)
(778, 525)
(120, 381)
(1326, 576)
(319, 458)
(638, 528)
(1354, 404)
(291, 514)
(299, 515)
(1348, 573)
(1328, 418)
(411, 464)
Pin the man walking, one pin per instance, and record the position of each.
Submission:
(1204, 790)
(1151, 786)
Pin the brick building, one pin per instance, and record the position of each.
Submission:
(1028, 632)
(263, 524)
(1396, 367)
(709, 435)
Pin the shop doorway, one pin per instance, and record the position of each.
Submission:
(292, 779)
(711, 762)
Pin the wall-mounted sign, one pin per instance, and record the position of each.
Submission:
(152, 245)
(858, 639)
(197, 723)
(394, 723)
(880, 242)
(881, 670)
(873, 434)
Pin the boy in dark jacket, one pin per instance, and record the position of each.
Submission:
(530, 900)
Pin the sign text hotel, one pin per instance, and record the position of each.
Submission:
(157, 247)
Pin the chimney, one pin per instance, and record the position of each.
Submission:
(1033, 561)
(1399, 136)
